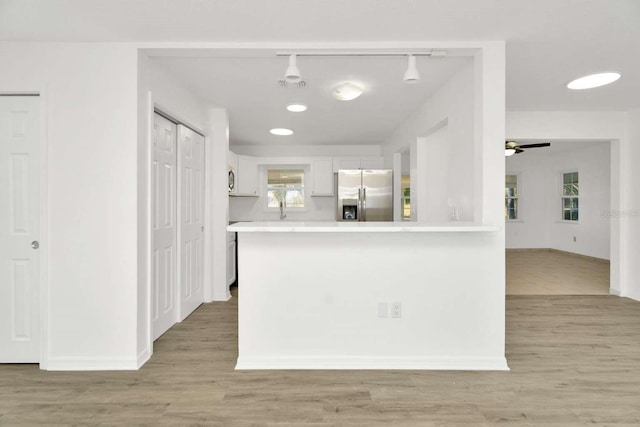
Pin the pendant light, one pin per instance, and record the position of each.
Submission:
(293, 73)
(411, 75)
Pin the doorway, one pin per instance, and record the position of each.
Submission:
(20, 337)
(558, 232)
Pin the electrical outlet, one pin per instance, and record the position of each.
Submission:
(396, 310)
(574, 238)
(382, 310)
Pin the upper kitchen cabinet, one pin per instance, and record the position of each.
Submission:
(247, 176)
(370, 162)
(322, 176)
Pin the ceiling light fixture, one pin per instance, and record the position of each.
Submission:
(593, 80)
(297, 108)
(347, 92)
(509, 152)
(411, 75)
(293, 73)
(281, 132)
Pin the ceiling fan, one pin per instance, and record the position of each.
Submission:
(512, 147)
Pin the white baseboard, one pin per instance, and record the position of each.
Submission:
(218, 297)
(615, 292)
(143, 357)
(92, 364)
(375, 363)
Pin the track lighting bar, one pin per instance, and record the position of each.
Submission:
(432, 52)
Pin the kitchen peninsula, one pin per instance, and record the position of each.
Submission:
(377, 295)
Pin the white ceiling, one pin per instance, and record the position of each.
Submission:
(248, 88)
(549, 42)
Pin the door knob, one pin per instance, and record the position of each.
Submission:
(35, 244)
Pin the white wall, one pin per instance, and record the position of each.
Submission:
(172, 98)
(630, 214)
(217, 201)
(539, 224)
(622, 130)
(445, 160)
(90, 116)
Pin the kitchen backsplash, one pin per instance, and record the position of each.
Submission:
(253, 209)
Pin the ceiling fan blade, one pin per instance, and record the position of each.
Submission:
(542, 144)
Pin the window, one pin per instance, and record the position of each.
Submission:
(285, 186)
(406, 197)
(511, 197)
(570, 194)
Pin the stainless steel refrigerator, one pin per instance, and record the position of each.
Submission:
(365, 195)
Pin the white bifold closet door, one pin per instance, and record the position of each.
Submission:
(178, 220)
(190, 219)
(19, 229)
(164, 305)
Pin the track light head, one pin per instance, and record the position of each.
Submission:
(411, 75)
(293, 73)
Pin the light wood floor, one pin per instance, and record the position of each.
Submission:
(544, 272)
(574, 361)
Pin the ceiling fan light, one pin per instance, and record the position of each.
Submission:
(293, 73)
(509, 152)
(411, 75)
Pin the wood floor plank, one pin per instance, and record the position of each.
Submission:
(575, 361)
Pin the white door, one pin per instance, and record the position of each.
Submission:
(164, 306)
(19, 218)
(191, 219)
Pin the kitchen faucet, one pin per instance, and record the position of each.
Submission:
(282, 214)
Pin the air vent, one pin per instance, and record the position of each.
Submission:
(299, 84)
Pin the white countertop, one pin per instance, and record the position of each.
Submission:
(359, 227)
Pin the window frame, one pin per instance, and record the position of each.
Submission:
(564, 197)
(518, 198)
(265, 185)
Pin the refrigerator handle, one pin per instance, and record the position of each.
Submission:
(364, 204)
(359, 216)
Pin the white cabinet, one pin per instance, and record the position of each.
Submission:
(322, 176)
(346, 163)
(247, 176)
(372, 163)
(369, 162)
(231, 262)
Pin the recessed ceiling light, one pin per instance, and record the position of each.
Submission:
(593, 80)
(347, 92)
(297, 108)
(281, 132)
